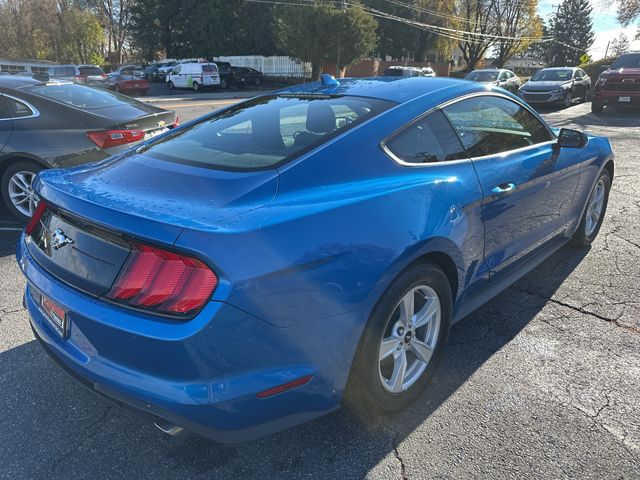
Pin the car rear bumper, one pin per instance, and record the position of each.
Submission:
(616, 98)
(202, 374)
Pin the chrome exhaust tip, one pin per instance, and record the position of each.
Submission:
(168, 428)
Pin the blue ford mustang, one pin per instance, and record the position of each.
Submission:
(251, 270)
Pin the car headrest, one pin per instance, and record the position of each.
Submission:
(320, 118)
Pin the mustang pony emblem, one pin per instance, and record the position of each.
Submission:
(59, 239)
(162, 123)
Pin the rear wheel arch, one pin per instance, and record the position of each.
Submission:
(610, 167)
(12, 158)
(446, 264)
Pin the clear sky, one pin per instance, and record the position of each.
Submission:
(605, 24)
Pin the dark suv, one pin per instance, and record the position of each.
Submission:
(619, 84)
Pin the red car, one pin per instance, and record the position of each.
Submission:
(619, 84)
(129, 80)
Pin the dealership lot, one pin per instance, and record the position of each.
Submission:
(542, 381)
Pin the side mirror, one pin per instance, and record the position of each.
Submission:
(571, 138)
(604, 67)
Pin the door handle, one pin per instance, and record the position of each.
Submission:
(503, 188)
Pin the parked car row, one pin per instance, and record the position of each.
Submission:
(62, 124)
(549, 86)
(617, 85)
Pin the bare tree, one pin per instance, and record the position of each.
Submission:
(115, 15)
(517, 20)
(478, 18)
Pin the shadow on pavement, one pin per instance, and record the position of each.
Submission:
(53, 426)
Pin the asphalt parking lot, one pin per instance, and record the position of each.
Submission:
(542, 382)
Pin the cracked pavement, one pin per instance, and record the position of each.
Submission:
(542, 382)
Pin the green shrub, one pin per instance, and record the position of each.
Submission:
(594, 69)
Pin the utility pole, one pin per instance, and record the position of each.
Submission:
(607, 50)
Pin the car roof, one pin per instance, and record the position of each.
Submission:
(17, 81)
(394, 89)
(560, 68)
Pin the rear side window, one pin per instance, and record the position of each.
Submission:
(209, 69)
(266, 131)
(4, 109)
(488, 125)
(78, 96)
(429, 140)
(18, 109)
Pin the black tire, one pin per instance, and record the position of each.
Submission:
(568, 100)
(117, 89)
(365, 389)
(596, 107)
(196, 87)
(11, 170)
(587, 94)
(582, 238)
(257, 81)
(170, 85)
(224, 84)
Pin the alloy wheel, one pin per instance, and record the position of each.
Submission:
(595, 208)
(409, 339)
(21, 192)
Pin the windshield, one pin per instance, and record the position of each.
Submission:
(77, 96)
(552, 76)
(480, 76)
(631, 60)
(265, 131)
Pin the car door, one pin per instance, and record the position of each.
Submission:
(528, 184)
(176, 77)
(6, 124)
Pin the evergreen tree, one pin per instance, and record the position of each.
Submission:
(323, 33)
(572, 31)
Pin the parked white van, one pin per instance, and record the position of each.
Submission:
(193, 75)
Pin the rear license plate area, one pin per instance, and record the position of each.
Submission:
(624, 99)
(155, 133)
(55, 315)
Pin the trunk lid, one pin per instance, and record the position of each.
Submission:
(94, 211)
(152, 198)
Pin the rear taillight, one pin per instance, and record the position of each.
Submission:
(163, 281)
(176, 122)
(113, 138)
(35, 218)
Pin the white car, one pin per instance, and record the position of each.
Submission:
(428, 72)
(194, 75)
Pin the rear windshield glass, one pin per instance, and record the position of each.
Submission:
(266, 131)
(77, 95)
(552, 75)
(480, 76)
(91, 71)
(631, 60)
(209, 68)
